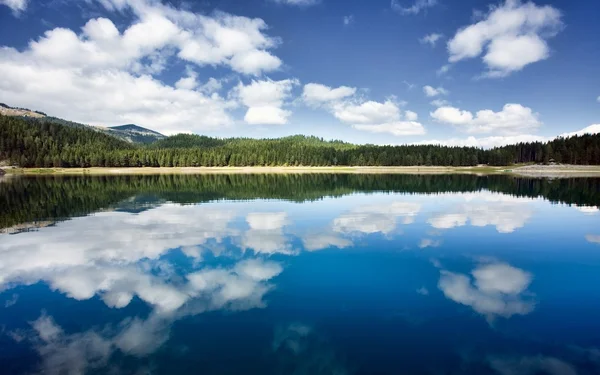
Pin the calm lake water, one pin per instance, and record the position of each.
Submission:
(312, 274)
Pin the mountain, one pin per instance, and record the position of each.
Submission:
(134, 133)
(130, 133)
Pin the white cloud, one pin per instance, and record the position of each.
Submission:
(592, 129)
(102, 76)
(431, 39)
(485, 142)
(416, 8)
(378, 117)
(432, 91)
(189, 82)
(498, 141)
(513, 119)
(17, 6)
(497, 289)
(315, 94)
(598, 99)
(265, 100)
(297, 2)
(348, 20)
(513, 36)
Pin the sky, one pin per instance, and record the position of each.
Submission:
(469, 72)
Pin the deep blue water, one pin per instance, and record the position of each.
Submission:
(475, 282)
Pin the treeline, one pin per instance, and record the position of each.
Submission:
(29, 199)
(49, 144)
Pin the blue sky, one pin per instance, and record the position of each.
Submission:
(387, 72)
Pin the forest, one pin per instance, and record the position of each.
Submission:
(40, 143)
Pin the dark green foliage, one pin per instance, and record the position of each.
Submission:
(39, 143)
(48, 144)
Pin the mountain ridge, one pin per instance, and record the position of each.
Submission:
(131, 133)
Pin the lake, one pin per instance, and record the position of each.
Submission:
(299, 274)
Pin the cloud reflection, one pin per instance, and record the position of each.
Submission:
(495, 289)
(504, 212)
(376, 218)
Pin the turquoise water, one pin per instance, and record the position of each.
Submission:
(300, 275)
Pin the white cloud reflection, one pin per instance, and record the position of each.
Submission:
(493, 290)
(381, 218)
(506, 213)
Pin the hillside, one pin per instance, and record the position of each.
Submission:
(47, 143)
(130, 133)
(133, 133)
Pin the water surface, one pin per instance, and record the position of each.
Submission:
(306, 274)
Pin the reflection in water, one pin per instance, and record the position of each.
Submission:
(160, 277)
(497, 289)
(531, 366)
(593, 238)
(504, 212)
(301, 351)
(266, 233)
(588, 210)
(377, 218)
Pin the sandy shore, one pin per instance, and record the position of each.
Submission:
(251, 170)
(529, 170)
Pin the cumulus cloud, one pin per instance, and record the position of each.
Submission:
(265, 100)
(513, 119)
(416, 8)
(377, 117)
(494, 290)
(432, 91)
(102, 76)
(348, 20)
(513, 36)
(431, 39)
(367, 115)
(17, 6)
(315, 94)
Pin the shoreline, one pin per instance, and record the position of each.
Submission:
(252, 170)
(556, 171)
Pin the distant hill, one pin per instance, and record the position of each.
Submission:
(130, 133)
(133, 133)
(7, 110)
